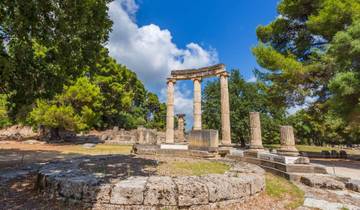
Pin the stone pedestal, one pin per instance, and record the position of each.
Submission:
(225, 110)
(287, 142)
(255, 132)
(181, 127)
(206, 139)
(170, 112)
(197, 104)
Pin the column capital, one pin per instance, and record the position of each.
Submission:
(180, 115)
(224, 74)
(172, 80)
(196, 79)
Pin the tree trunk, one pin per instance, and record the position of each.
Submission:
(242, 142)
(54, 134)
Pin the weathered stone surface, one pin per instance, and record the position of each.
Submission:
(129, 191)
(192, 191)
(72, 187)
(67, 180)
(97, 193)
(353, 185)
(160, 190)
(206, 139)
(246, 168)
(218, 186)
(320, 181)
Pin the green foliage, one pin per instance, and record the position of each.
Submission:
(313, 50)
(49, 43)
(51, 52)
(278, 187)
(77, 108)
(54, 116)
(126, 102)
(4, 119)
(245, 97)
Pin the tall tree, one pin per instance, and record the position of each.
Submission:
(311, 50)
(49, 43)
(244, 97)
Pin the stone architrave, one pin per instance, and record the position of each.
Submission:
(197, 104)
(170, 112)
(181, 127)
(287, 140)
(255, 131)
(225, 110)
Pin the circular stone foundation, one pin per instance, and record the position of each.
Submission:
(132, 184)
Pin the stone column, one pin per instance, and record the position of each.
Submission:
(225, 110)
(255, 131)
(170, 112)
(197, 104)
(287, 140)
(181, 120)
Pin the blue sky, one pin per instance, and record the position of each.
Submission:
(153, 37)
(229, 26)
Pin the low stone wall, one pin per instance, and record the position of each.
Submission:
(213, 191)
(140, 135)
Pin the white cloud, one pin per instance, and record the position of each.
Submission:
(307, 103)
(252, 79)
(148, 50)
(183, 102)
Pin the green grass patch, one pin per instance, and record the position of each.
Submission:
(192, 168)
(280, 188)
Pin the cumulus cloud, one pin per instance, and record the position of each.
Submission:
(149, 50)
(183, 102)
(252, 79)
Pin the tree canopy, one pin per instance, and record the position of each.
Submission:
(311, 51)
(53, 61)
(244, 97)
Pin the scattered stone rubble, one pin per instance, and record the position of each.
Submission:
(17, 132)
(65, 180)
(330, 182)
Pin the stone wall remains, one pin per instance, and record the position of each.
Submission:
(212, 191)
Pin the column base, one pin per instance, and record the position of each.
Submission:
(288, 151)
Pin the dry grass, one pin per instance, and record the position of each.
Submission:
(282, 189)
(100, 149)
(190, 168)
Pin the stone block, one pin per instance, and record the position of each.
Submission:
(97, 193)
(129, 191)
(321, 181)
(240, 187)
(204, 139)
(160, 190)
(237, 152)
(219, 187)
(353, 185)
(191, 191)
(174, 146)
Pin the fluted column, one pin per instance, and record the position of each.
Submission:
(170, 112)
(197, 104)
(287, 140)
(255, 131)
(225, 110)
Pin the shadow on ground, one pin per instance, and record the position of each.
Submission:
(18, 175)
